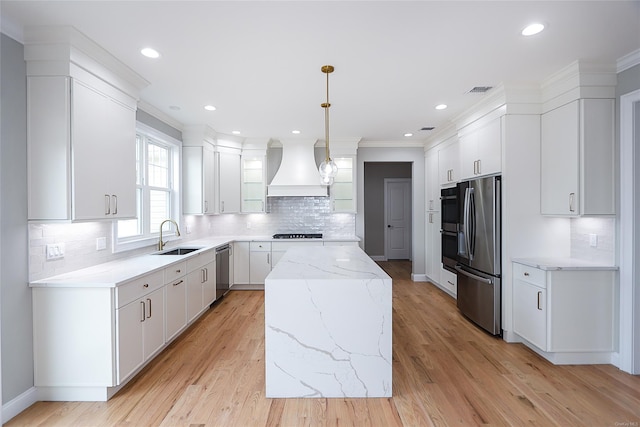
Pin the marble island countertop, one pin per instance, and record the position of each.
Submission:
(328, 325)
(562, 264)
(115, 273)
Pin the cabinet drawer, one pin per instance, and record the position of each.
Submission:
(201, 259)
(260, 246)
(136, 288)
(174, 271)
(531, 275)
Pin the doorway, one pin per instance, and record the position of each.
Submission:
(397, 208)
(374, 209)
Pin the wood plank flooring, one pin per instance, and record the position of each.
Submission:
(446, 372)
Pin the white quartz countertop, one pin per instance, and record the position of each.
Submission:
(327, 262)
(115, 273)
(563, 264)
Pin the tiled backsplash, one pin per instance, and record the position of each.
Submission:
(286, 215)
(603, 229)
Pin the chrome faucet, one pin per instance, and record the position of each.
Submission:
(160, 242)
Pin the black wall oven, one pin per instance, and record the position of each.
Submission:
(449, 227)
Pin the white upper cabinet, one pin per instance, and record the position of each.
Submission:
(229, 176)
(481, 150)
(81, 151)
(448, 163)
(432, 184)
(343, 189)
(81, 118)
(577, 158)
(198, 170)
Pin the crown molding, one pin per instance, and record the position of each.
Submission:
(391, 144)
(630, 60)
(160, 115)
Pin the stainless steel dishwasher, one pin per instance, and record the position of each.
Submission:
(222, 270)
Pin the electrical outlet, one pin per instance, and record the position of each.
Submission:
(593, 240)
(248, 225)
(101, 243)
(55, 251)
(187, 229)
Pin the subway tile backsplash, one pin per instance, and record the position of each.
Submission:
(604, 231)
(285, 215)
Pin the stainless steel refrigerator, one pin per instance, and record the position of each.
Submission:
(479, 252)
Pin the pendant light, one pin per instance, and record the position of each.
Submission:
(328, 168)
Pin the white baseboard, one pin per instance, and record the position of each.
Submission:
(19, 404)
(378, 257)
(419, 278)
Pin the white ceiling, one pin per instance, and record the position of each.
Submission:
(259, 62)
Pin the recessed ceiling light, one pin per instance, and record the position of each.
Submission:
(150, 52)
(210, 108)
(441, 106)
(295, 132)
(235, 132)
(408, 134)
(532, 29)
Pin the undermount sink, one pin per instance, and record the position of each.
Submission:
(178, 251)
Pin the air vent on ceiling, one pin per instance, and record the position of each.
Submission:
(480, 89)
(427, 128)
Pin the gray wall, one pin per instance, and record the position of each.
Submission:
(374, 175)
(415, 156)
(15, 295)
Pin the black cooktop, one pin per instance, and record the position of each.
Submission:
(298, 236)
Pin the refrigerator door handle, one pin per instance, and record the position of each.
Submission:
(473, 276)
(468, 194)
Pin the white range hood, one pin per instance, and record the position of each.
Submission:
(298, 173)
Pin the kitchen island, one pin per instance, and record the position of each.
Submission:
(328, 325)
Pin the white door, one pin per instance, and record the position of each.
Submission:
(397, 201)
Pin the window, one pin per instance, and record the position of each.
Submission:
(157, 172)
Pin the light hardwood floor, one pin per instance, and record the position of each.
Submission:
(445, 372)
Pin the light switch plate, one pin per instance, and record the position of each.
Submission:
(55, 251)
(593, 240)
(101, 243)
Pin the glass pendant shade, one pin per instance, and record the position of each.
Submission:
(328, 168)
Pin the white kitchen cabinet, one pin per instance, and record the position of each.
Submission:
(259, 262)
(253, 184)
(343, 190)
(565, 310)
(448, 162)
(201, 283)
(432, 184)
(448, 282)
(241, 263)
(229, 178)
(480, 149)
(577, 157)
(140, 325)
(433, 246)
(176, 307)
(198, 174)
(81, 150)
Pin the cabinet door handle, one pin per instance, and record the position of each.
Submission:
(539, 300)
(146, 285)
(572, 199)
(177, 283)
(178, 271)
(526, 274)
(143, 311)
(430, 218)
(149, 316)
(203, 275)
(268, 261)
(222, 206)
(107, 204)
(206, 206)
(115, 204)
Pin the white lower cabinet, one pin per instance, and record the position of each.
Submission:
(240, 263)
(140, 325)
(201, 283)
(176, 316)
(259, 262)
(448, 282)
(567, 313)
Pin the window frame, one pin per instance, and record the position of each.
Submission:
(150, 237)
